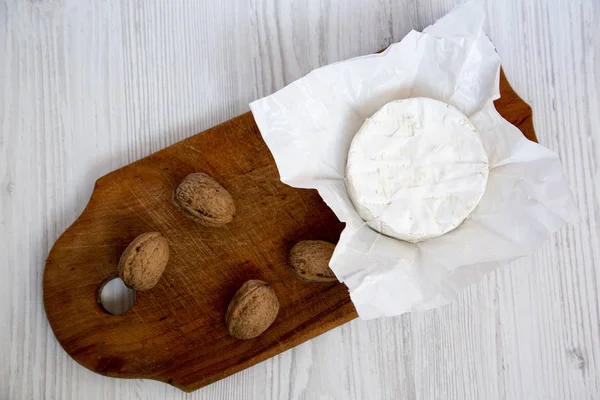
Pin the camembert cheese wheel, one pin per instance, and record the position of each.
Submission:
(416, 169)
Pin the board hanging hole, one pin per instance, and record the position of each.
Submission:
(115, 297)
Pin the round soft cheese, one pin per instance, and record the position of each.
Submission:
(416, 169)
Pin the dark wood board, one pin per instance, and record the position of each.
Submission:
(176, 332)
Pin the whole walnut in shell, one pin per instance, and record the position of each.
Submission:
(144, 260)
(309, 259)
(252, 310)
(204, 200)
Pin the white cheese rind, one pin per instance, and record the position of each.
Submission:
(416, 169)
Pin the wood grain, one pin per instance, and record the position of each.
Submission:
(88, 87)
(176, 331)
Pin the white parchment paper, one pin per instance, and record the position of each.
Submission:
(309, 125)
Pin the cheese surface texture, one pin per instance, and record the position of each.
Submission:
(416, 169)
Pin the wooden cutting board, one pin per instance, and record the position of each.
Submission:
(175, 332)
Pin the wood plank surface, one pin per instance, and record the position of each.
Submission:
(88, 87)
(175, 332)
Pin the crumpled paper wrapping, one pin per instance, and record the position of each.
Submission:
(308, 126)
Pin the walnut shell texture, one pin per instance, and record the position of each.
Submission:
(144, 260)
(309, 259)
(204, 200)
(252, 310)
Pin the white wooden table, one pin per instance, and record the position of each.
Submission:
(90, 86)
